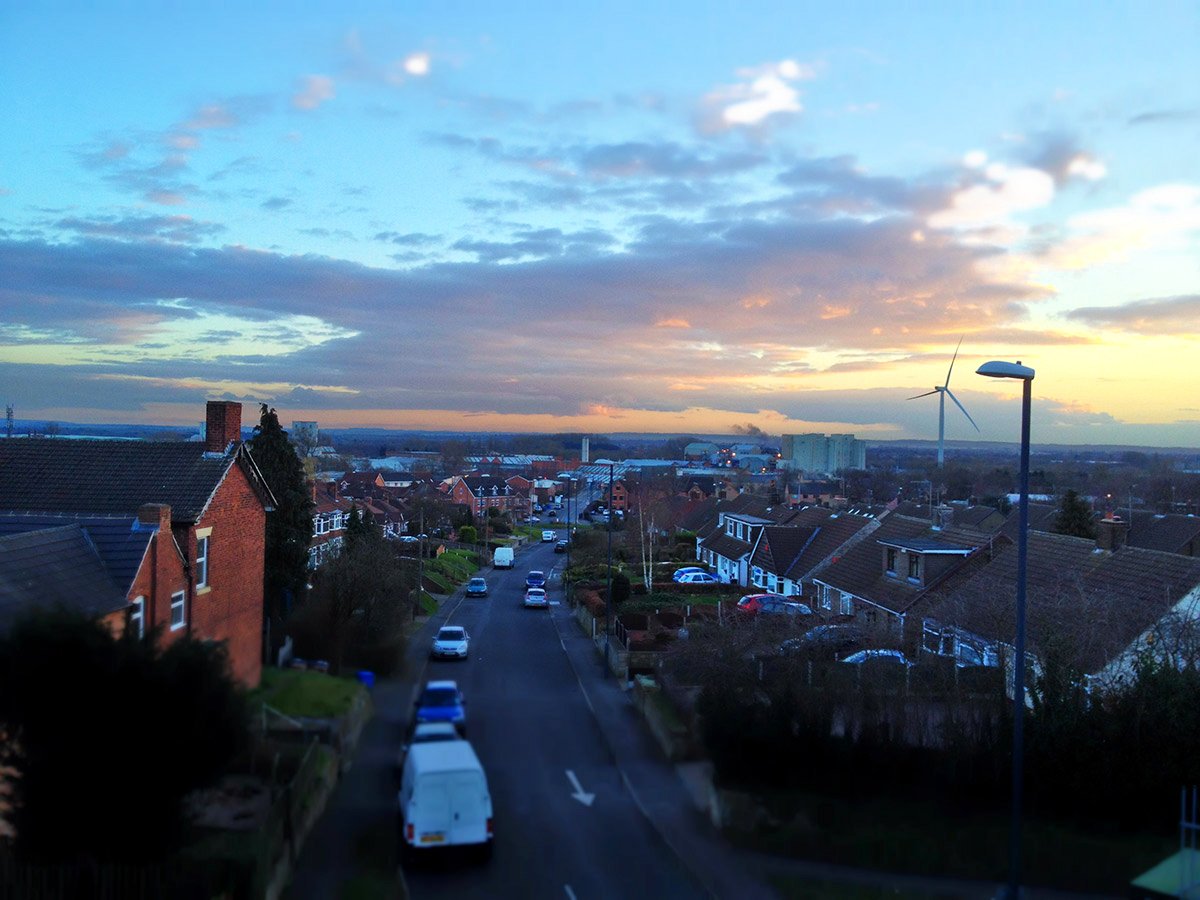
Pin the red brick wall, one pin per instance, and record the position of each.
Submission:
(160, 575)
(232, 609)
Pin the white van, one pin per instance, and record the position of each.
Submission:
(503, 558)
(444, 799)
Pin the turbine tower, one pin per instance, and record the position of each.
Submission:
(943, 391)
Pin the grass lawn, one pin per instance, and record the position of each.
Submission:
(443, 585)
(428, 604)
(922, 838)
(295, 692)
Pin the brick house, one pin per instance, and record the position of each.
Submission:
(196, 513)
(480, 493)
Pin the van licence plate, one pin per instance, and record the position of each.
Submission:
(432, 838)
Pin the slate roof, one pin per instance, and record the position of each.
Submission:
(1097, 602)
(111, 477)
(1042, 517)
(860, 570)
(54, 567)
(726, 545)
(986, 518)
(780, 545)
(120, 541)
(487, 486)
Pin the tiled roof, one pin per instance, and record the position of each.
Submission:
(54, 567)
(1168, 533)
(834, 531)
(780, 545)
(981, 517)
(860, 569)
(725, 545)
(487, 486)
(1042, 517)
(120, 541)
(1097, 603)
(87, 476)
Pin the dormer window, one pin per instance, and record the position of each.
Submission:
(891, 560)
(914, 567)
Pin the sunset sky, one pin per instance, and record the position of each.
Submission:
(613, 217)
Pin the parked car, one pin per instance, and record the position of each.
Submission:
(442, 701)
(831, 640)
(409, 539)
(535, 578)
(686, 570)
(773, 606)
(532, 519)
(451, 642)
(751, 604)
(535, 598)
(502, 558)
(891, 657)
(553, 514)
(560, 547)
(549, 536)
(477, 587)
(698, 578)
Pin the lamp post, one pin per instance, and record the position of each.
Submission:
(608, 568)
(1025, 375)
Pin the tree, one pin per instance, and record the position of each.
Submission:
(289, 526)
(102, 728)
(1074, 517)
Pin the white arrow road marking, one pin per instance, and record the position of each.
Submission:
(570, 893)
(584, 798)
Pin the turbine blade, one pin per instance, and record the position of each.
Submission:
(926, 394)
(963, 408)
(952, 359)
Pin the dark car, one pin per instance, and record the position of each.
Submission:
(560, 547)
(773, 606)
(477, 587)
(536, 578)
(827, 640)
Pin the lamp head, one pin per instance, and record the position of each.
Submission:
(998, 369)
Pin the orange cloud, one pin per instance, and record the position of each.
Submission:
(672, 323)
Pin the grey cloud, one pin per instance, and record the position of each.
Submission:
(1164, 116)
(641, 159)
(410, 239)
(178, 229)
(1157, 315)
(274, 203)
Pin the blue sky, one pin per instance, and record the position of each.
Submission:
(609, 219)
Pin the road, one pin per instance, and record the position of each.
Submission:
(531, 726)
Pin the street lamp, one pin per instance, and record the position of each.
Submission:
(608, 593)
(1024, 374)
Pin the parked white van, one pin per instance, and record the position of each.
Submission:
(503, 558)
(444, 799)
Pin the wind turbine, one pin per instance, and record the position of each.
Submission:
(943, 391)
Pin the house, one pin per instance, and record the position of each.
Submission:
(1100, 607)
(331, 515)
(482, 493)
(1170, 533)
(194, 521)
(884, 579)
(786, 556)
(618, 498)
(727, 544)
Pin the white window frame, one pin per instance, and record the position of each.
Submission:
(137, 618)
(178, 605)
(846, 604)
(203, 549)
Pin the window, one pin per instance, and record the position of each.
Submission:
(847, 605)
(823, 593)
(891, 560)
(178, 613)
(137, 617)
(202, 562)
(914, 566)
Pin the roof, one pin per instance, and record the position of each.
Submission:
(834, 531)
(110, 477)
(120, 541)
(780, 545)
(443, 756)
(927, 544)
(860, 571)
(725, 545)
(1169, 533)
(54, 567)
(1098, 602)
(487, 485)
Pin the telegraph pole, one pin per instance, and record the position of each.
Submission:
(608, 593)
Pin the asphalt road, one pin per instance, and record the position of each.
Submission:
(531, 726)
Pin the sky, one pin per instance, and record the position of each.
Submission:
(678, 217)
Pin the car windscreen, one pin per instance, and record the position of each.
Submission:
(439, 697)
(451, 634)
(536, 574)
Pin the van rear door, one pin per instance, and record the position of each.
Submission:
(434, 819)
(470, 807)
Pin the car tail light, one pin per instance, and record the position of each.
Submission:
(410, 832)
(489, 827)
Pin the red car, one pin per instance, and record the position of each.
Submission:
(771, 604)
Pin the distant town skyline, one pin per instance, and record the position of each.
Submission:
(680, 219)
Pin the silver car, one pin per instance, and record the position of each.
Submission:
(451, 642)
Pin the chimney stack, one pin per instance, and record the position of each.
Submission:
(155, 515)
(1111, 532)
(223, 425)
